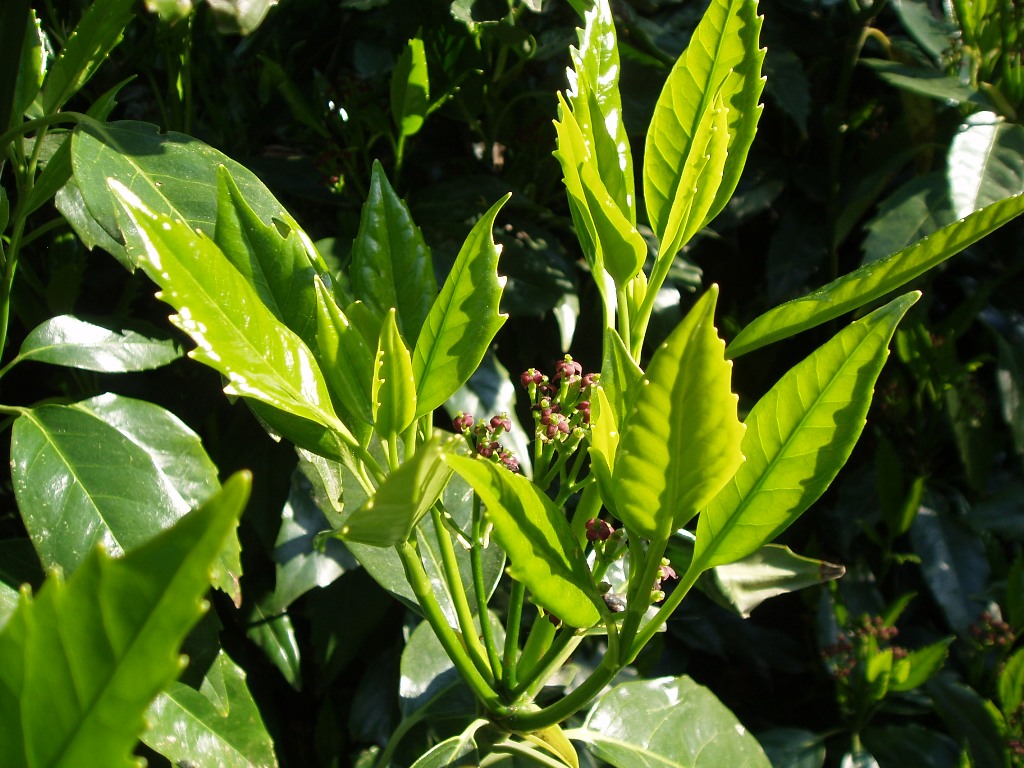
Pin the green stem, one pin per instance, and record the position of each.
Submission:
(424, 592)
(622, 303)
(565, 643)
(672, 602)
(576, 699)
(641, 583)
(481, 593)
(461, 603)
(512, 625)
(537, 643)
(642, 317)
(23, 129)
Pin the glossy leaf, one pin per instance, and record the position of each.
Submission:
(984, 163)
(462, 321)
(915, 210)
(428, 683)
(95, 36)
(391, 264)
(234, 332)
(770, 571)
(276, 265)
(393, 390)
(83, 659)
(405, 496)
(872, 281)
(275, 636)
(410, 89)
(681, 442)
(69, 341)
(667, 722)
(722, 63)
(597, 107)
(458, 750)
(623, 249)
(798, 437)
(932, 83)
(345, 358)
(543, 553)
(152, 470)
(970, 718)
(219, 724)
(171, 173)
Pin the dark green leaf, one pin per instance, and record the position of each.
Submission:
(463, 320)
(109, 471)
(912, 745)
(84, 658)
(410, 89)
(94, 37)
(873, 281)
(972, 719)
(543, 553)
(219, 724)
(985, 163)
(15, 18)
(67, 340)
(429, 681)
(913, 211)
(391, 264)
(798, 437)
(55, 174)
(681, 440)
(459, 750)
(793, 748)
(275, 636)
(668, 722)
(932, 83)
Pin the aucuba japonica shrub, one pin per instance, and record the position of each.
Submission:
(518, 562)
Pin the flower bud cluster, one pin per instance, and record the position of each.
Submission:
(665, 573)
(561, 402)
(854, 645)
(481, 437)
(992, 632)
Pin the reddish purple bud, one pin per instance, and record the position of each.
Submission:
(599, 530)
(583, 406)
(567, 367)
(462, 422)
(501, 422)
(589, 380)
(531, 376)
(488, 449)
(510, 462)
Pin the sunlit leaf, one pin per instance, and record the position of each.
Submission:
(219, 724)
(463, 320)
(872, 281)
(984, 163)
(681, 442)
(393, 390)
(798, 437)
(543, 553)
(234, 331)
(69, 341)
(410, 89)
(723, 63)
(83, 659)
(667, 722)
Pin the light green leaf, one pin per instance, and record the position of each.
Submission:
(81, 661)
(410, 89)
(681, 441)
(604, 445)
(276, 265)
(95, 36)
(234, 331)
(170, 11)
(345, 358)
(110, 471)
(275, 636)
(1011, 683)
(985, 162)
(798, 437)
(458, 750)
(406, 495)
(463, 320)
(67, 340)
(219, 724)
(667, 722)
(543, 553)
(33, 61)
(623, 249)
(597, 108)
(722, 62)
(872, 281)
(391, 264)
(393, 391)
(919, 665)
